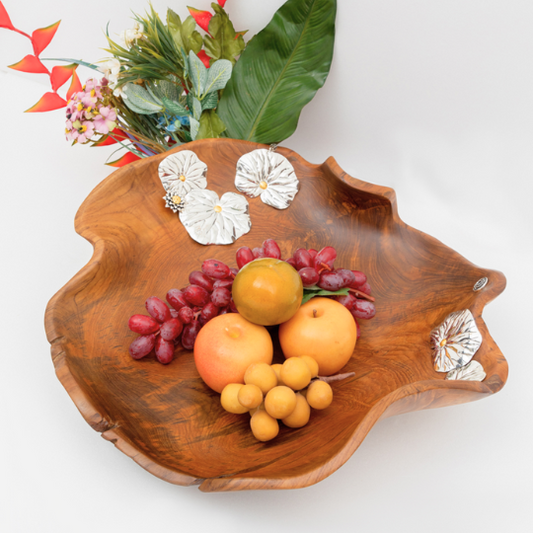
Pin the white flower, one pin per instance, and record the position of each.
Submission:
(111, 69)
(131, 35)
(455, 341)
(269, 174)
(182, 172)
(210, 220)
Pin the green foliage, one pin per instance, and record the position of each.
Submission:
(185, 36)
(139, 100)
(311, 292)
(223, 42)
(279, 72)
(210, 126)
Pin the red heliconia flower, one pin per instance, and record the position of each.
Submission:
(5, 21)
(48, 102)
(202, 18)
(124, 160)
(107, 140)
(41, 38)
(221, 3)
(75, 86)
(60, 75)
(204, 58)
(30, 64)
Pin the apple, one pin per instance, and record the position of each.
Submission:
(323, 329)
(226, 346)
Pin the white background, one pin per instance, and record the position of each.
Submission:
(433, 98)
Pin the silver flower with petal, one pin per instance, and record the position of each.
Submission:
(473, 371)
(182, 172)
(174, 202)
(210, 220)
(455, 341)
(267, 174)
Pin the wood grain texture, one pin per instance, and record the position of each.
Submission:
(164, 417)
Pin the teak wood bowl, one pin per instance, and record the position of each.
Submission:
(164, 417)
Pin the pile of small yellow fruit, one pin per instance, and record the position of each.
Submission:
(276, 392)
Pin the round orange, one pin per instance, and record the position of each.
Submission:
(267, 291)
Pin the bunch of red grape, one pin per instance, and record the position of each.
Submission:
(209, 295)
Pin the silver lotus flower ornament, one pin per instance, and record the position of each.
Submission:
(473, 371)
(269, 175)
(181, 173)
(212, 220)
(455, 341)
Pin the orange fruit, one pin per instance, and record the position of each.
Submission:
(267, 291)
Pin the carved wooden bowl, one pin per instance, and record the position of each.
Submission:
(164, 417)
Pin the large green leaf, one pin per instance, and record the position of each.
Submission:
(210, 126)
(279, 72)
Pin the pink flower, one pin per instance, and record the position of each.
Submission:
(105, 121)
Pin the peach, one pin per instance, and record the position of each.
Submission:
(323, 329)
(226, 346)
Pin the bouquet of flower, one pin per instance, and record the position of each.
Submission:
(165, 83)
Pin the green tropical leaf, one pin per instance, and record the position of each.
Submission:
(218, 75)
(196, 108)
(210, 101)
(138, 99)
(210, 126)
(198, 73)
(165, 89)
(280, 71)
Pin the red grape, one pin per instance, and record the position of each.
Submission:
(330, 281)
(363, 309)
(348, 301)
(302, 258)
(271, 248)
(291, 262)
(157, 308)
(347, 276)
(196, 295)
(223, 284)
(224, 311)
(258, 253)
(221, 297)
(365, 288)
(142, 324)
(190, 332)
(171, 329)
(327, 255)
(199, 278)
(176, 299)
(234, 272)
(244, 256)
(312, 253)
(360, 279)
(232, 306)
(164, 350)
(142, 346)
(209, 311)
(185, 315)
(309, 276)
(215, 269)
(173, 313)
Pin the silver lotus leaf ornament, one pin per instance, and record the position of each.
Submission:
(212, 220)
(182, 172)
(473, 371)
(455, 341)
(269, 175)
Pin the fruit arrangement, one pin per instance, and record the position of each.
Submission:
(265, 289)
(285, 392)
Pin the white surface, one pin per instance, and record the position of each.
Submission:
(431, 98)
